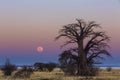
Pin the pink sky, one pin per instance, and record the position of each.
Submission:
(26, 24)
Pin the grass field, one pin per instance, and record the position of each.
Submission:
(114, 74)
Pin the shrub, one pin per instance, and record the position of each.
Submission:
(108, 69)
(25, 72)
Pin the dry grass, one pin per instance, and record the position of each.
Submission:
(114, 74)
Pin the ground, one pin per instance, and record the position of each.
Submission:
(114, 74)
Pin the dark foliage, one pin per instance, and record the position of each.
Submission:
(25, 72)
(50, 66)
(40, 66)
(8, 68)
(68, 64)
(45, 66)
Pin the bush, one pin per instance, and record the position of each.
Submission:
(25, 72)
(108, 69)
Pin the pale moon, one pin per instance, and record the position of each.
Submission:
(40, 49)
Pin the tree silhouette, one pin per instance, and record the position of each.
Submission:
(91, 44)
(68, 63)
(39, 66)
(8, 68)
(45, 66)
(50, 66)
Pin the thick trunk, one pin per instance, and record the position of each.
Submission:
(82, 61)
(82, 66)
(78, 67)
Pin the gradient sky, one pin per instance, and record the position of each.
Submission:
(27, 24)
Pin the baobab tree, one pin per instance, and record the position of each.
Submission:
(91, 44)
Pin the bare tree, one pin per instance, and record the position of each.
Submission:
(91, 44)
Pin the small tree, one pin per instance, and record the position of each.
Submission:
(8, 68)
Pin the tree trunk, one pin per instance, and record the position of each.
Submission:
(83, 66)
(82, 60)
(78, 67)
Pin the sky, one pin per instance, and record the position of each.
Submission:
(27, 24)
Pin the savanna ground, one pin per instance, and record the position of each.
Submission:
(114, 74)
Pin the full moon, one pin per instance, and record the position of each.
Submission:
(40, 49)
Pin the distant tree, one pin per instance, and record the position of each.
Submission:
(8, 68)
(50, 66)
(45, 66)
(40, 66)
(90, 45)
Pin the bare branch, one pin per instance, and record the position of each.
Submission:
(95, 47)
